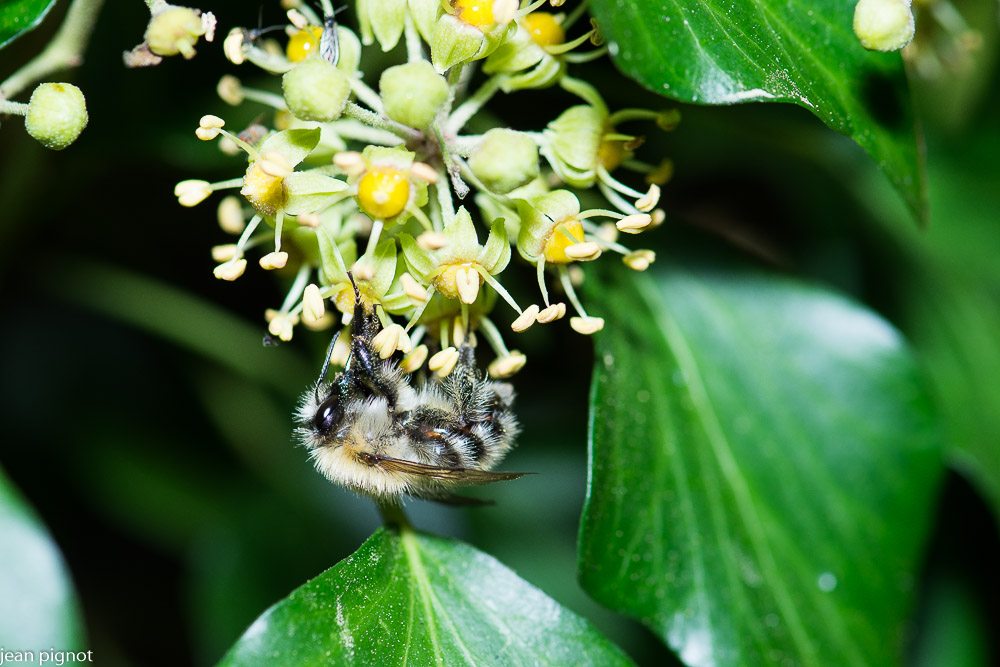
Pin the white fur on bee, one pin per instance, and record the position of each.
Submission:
(372, 430)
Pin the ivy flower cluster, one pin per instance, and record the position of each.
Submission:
(386, 187)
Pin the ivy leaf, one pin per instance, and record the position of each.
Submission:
(732, 51)
(20, 16)
(409, 598)
(39, 607)
(764, 462)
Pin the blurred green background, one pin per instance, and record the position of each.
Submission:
(151, 431)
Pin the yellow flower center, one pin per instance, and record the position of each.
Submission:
(565, 234)
(303, 43)
(383, 192)
(263, 191)
(478, 13)
(544, 29)
(447, 281)
(611, 154)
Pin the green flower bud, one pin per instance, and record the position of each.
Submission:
(413, 93)
(574, 140)
(350, 51)
(457, 42)
(383, 17)
(57, 114)
(425, 15)
(505, 160)
(883, 25)
(316, 90)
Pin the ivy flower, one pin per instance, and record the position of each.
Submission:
(470, 30)
(555, 232)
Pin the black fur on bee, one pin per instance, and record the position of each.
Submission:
(371, 431)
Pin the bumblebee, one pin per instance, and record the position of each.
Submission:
(373, 432)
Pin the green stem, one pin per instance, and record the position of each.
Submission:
(13, 108)
(460, 116)
(374, 120)
(65, 49)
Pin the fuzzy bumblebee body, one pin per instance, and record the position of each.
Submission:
(374, 433)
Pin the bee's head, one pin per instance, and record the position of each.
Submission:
(329, 414)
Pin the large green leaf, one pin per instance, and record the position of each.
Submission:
(408, 598)
(732, 51)
(764, 463)
(38, 607)
(20, 16)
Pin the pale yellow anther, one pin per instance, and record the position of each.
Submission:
(576, 275)
(363, 270)
(583, 252)
(232, 46)
(309, 220)
(557, 3)
(458, 331)
(633, 224)
(230, 215)
(290, 4)
(208, 23)
(322, 324)
(525, 319)
(467, 282)
(432, 241)
(270, 314)
(206, 133)
(231, 270)
(443, 363)
(274, 260)
(297, 19)
(504, 11)
(413, 289)
(341, 351)
(414, 360)
(209, 121)
(390, 339)
(554, 312)
(274, 163)
(607, 232)
(350, 161)
(504, 367)
(658, 217)
(313, 304)
(586, 325)
(228, 146)
(282, 325)
(230, 90)
(192, 192)
(224, 253)
(424, 172)
(639, 260)
(648, 202)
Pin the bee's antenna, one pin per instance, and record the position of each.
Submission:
(326, 366)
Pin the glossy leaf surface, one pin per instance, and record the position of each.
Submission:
(38, 607)
(806, 53)
(405, 598)
(764, 464)
(20, 16)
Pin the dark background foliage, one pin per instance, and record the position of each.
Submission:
(151, 431)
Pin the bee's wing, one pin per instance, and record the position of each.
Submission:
(455, 475)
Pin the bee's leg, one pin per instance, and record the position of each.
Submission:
(363, 359)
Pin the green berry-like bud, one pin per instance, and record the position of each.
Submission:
(57, 114)
(316, 90)
(574, 141)
(413, 93)
(505, 160)
(883, 25)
